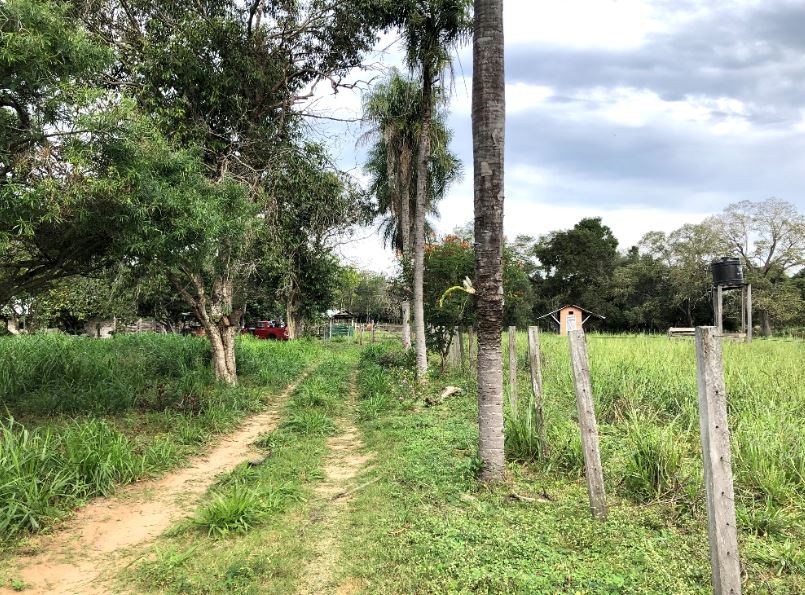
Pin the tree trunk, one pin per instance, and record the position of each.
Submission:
(423, 157)
(219, 320)
(405, 232)
(290, 318)
(222, 345)
(488, 125)
(765, 322)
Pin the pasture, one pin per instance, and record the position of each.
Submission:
(362, 459)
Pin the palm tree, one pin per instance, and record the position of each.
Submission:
(431, 30)
(488, 124)
(393, 108)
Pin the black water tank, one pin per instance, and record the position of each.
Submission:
(727, 271)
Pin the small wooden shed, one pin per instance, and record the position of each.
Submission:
(343, 317)
(569, 318)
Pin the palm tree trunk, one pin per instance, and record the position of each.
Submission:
(405, 233)
(423, 157)
(488, 125)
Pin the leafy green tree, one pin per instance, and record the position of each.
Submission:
(313, 206)
(224, 77)
(447, 265)
(769, 236)
(688, 252)
(51, 108)
(576, 266)
(642, 292)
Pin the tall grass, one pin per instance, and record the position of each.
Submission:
(647, 407)
(158, 397)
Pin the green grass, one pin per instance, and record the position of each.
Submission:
(84, 416)
(251, 532)
(428, 526)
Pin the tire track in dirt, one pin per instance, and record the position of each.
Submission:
(108, 533)
(342, 465)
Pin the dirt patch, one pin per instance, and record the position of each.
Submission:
(107, 534)
(343, 464)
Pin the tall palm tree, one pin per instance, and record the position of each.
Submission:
(431, 29)
(488, 124)
(393, 109)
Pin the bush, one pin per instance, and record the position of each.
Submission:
(522, 435)
(44, 472)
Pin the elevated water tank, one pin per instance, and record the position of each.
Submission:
(727, 271)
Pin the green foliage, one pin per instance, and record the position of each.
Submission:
(51, 373)
(446, 265)
(394, 109)
(44, 472)
(309, 423)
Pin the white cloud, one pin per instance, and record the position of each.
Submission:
(610, 24)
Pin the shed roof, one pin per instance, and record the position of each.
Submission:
(344, 314)
(585, 310)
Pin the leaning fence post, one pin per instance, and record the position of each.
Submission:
(588, 425)
(536, 385)
(721, 528)
(513, 368)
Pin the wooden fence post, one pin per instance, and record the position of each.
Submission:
(455, 356)
(461, 348)
(536, 386)
(513, 369)
(721, 527)
(749, 313)
(470, 346)
(374, 326)
(360, 335)
(589, 428)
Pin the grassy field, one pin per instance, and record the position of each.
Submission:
(82, 416)
(427, 526)
(418, 521)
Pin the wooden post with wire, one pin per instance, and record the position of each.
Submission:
(513, 404)
(587, 423)
(721, 524)
(536, 386)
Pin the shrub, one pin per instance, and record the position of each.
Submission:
(522, 435)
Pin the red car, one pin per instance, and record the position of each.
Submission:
(269, 329)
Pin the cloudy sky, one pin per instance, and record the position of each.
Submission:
(648, 113)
